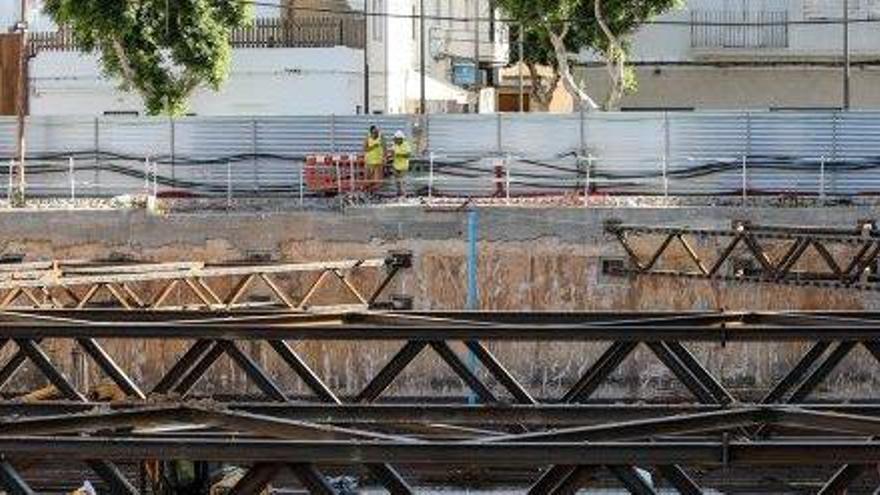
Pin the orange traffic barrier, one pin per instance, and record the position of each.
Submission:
(335, 174)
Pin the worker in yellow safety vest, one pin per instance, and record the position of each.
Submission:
(402, 151)
(374, 157)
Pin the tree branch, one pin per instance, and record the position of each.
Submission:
(614, 59)
(581, 98)
(127, 72)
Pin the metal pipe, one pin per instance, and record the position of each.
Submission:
(422, 93)
(472, 256)
(228, 185)
(21, 107)
(366, 57)
(72, 179)
(846, 57)
(521, 50)
(472, 280)
(477, 84)
(430, 176)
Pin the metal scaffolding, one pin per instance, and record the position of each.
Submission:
(712, 437)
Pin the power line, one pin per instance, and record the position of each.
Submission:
(654, 22)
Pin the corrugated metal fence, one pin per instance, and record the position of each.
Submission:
(831, 153)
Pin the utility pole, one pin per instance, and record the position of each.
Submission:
(21, 108)
(520, 47)
(366, 58)
(423, 98)
(477, 42)
(846, 56)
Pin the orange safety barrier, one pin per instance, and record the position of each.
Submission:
(334, 174)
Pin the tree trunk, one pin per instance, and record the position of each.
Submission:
(128, 75)
(614, 60)
(580, 97)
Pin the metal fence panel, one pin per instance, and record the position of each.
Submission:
(213, 154)
(545, 165)
(53, 142)
(626, 152)
(654, 153)
(706, 152)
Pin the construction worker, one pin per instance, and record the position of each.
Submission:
(401, 151)
(374, 157)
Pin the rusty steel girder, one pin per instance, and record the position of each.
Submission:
(138, 286)
(845, 258)
(697, 441)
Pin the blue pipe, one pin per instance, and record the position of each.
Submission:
(473, 302)
(472, 293)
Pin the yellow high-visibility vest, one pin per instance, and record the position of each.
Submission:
(402, 154)
(375, 151)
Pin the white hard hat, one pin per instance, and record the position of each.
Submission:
(399, 135)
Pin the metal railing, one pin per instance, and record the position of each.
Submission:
(739, 29)
(510, 156)
(301, 32)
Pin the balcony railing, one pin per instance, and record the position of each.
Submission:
(739, 29)
(301, 32)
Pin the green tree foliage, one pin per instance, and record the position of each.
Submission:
(555, 31)
(163, 49)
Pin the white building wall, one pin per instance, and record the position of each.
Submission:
(263, 81)
(10, 11)
(667, 42)
(448, 37)
(68, 83)
(752, 66)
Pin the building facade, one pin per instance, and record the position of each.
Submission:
(303, 57)
(464, 46)
(753, 54)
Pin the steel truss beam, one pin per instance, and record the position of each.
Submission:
(87, 437)
(77, 284)
(383, 414)
(578, 435)
(703, 453)
(824, 257)
(215, 339)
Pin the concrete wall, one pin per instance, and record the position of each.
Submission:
(529, 260)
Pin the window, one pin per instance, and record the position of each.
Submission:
(415, 20)
(449, 13)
